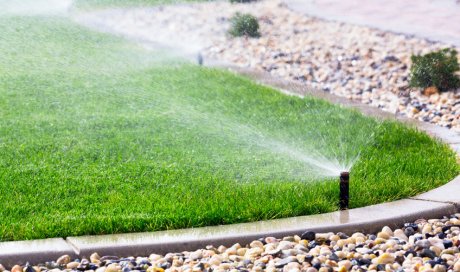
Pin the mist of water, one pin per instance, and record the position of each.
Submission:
(320, 165)
(302, 157)
(317, 163)
(35, 7)
(113, 20)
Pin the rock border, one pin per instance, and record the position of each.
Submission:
(433, 204)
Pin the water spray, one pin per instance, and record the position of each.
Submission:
(344, 190)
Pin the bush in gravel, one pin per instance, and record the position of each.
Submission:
(435, 69)
(244, 25)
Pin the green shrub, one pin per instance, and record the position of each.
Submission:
(435, 69)
(244, 25)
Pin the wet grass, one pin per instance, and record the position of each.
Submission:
(99, 136)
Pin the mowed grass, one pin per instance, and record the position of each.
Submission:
(99, 136)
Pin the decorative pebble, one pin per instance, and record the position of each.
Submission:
(383, 235)
(113, 267)
(72, 265)
(399, 233)
(309, 235)
(63, 260)
(387, 230)
(426, 228)
(385, 258)
(95, 258)
(409, 231)
(256, 243)
(29, 268)
(16, 268)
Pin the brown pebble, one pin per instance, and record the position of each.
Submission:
(116, 268)
(439, 268)
(270, 240)
(94, 258)
(430, 90)
(63, 260)
(16, 268)
(241, 251)
(383, 235)
(457, 266)
(256, 243)
(72, 265)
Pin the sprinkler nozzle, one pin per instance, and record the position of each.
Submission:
(344, 190)
(199, 58)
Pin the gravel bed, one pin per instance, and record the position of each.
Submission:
(424, 245)
(356, 62)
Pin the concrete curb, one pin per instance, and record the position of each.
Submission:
(366, 219)
(34, 251)
(448, 193)
(435, 203)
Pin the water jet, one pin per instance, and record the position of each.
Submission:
(344, 190)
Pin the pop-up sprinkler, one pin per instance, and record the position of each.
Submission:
(344, 190)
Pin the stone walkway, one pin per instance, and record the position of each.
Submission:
(437, 20)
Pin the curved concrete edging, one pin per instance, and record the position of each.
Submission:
(392, 214)
(441, 201)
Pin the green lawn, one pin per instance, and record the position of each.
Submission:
(100, 136)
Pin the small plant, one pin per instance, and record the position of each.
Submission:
(244, 25)
(435, 69)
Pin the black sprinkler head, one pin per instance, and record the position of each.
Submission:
(344, 190)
